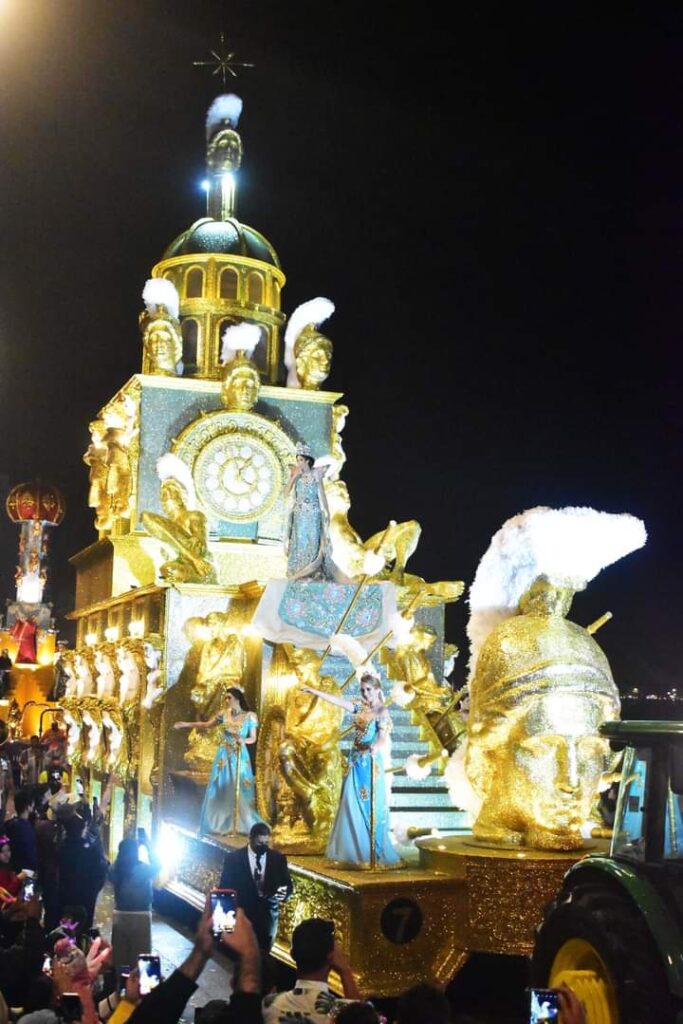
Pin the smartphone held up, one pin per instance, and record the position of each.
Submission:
(544, 1006)
(72, 1008)
(149, 967)
(223, 904)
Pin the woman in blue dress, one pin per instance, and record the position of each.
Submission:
(231, 762)
(309, 550)
(363, 812)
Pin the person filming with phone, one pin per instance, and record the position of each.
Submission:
(166, 1001)
(555, 1006)
(133, 878)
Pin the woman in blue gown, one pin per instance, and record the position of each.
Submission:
(363, 807)
(232, 762)
(309, 550)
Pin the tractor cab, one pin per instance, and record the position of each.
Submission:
(614, 933)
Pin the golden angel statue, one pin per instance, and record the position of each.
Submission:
(183, 527)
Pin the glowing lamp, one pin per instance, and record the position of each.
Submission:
(111, 633)
(91, 639)
(169, 849)
(137, 628)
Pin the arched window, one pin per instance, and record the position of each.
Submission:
(255, 288)
(276, 294)
(194, 284)
(190, 332)
(229, 284)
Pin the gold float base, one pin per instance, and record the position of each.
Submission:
(498, 894)
(408, 925)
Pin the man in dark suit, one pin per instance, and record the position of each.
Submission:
(261, 878)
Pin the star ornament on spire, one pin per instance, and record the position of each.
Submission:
(222, 61)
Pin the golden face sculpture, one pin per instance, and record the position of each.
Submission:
(173, 498)
(163, 346)
(241, 386)
(225, 151)
(541, 689)
(313, 358)
(545, 774)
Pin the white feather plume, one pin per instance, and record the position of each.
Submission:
(159, 291)
(227, 107)
(315, 311)
(400, 832)
(415, 770)
(401, 628)
(568, 545)
(373, 563)
(172, 467)
(348, 647)
(459, 789)
(242, 337)
(401, 695)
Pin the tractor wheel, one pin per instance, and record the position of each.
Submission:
(595, 939)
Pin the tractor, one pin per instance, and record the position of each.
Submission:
(614, 933)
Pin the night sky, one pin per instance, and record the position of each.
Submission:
(494, 208)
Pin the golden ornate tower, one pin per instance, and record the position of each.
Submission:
(225, 272)
(187, 465)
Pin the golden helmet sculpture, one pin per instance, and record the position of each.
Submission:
(308, 353)
(540, 686)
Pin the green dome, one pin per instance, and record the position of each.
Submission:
(223, 236)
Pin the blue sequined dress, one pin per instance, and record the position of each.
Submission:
(349, 843)
(309, 551)
(219, 798)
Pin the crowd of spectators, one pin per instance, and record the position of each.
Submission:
(54, 966)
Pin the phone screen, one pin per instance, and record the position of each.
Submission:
(223, 910)
(149, 967)
(29, 889)
(545, 1006)
(72, 1008)
(124, 974)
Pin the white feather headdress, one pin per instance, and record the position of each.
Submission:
(315, 311)
(569, 546)
(226, 107)
(241, 337)
(159, 291)
(172, 467)
(348, 647)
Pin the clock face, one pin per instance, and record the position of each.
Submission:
(237, 476)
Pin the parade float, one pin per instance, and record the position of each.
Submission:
(228, 615)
